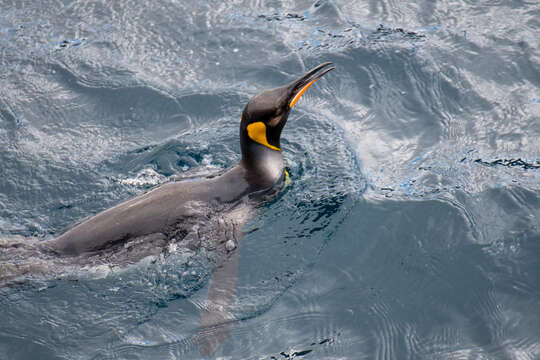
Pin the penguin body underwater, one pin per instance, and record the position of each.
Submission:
(179, 211)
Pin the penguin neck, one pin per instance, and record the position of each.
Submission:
(264, 166)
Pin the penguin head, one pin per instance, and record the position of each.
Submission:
(266, 114)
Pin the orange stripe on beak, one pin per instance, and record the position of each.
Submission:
(297, 96)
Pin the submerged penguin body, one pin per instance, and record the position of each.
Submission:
(175, 212)
(180, 211)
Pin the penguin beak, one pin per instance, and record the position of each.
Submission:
(299, 87)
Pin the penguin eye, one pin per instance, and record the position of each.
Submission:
(275, 119)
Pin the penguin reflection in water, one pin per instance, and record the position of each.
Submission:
(206, 212)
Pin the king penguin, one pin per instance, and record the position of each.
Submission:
(180, 211)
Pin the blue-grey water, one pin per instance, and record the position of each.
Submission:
(411, 227)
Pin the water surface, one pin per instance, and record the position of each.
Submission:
(410, 229)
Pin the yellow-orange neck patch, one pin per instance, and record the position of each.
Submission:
(257, 132)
